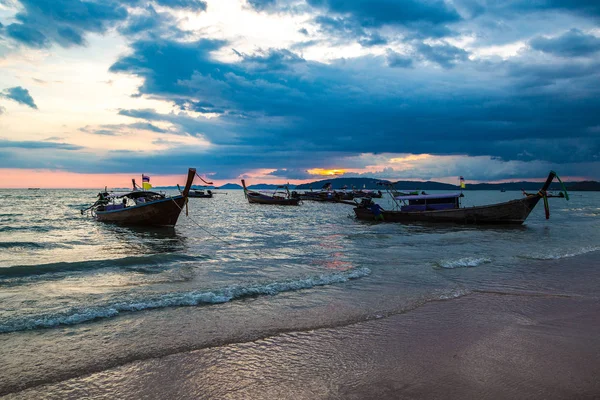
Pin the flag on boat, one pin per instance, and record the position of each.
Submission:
(462, 182)
(146, 182)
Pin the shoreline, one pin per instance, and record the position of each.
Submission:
(481, 345)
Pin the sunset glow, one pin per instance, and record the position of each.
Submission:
(326, 172)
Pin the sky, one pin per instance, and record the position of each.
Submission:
(95, 92)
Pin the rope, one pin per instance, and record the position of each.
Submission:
(200, 226)
(202, 179)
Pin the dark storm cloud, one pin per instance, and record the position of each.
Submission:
(514, 7)
(359, 19)
(151, 23)
(42, 23)
(27, 35)
(20, 95)
(329, 108)
(278, 110)
(391, 12)
(445, 55)
(573, 43)
(396, 60)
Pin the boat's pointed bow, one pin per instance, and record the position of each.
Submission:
(188, 183)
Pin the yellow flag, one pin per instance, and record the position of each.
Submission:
(146, 182)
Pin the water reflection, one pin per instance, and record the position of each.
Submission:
(143, 240)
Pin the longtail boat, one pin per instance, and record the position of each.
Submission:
(445, 208)
(140, 207)
(201, 194)
(280, 198)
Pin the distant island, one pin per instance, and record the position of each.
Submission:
(373, 184)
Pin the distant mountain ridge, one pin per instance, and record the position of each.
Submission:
(371, 183)
(230, 186)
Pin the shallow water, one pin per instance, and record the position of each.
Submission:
(94, 295)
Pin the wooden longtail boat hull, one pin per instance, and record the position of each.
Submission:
(514, 212)
(258, 198)
(163, 212)
(272, 200)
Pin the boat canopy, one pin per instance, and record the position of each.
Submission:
(429, 196)
(135, 195)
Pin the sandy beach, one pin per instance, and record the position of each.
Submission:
(480, 346)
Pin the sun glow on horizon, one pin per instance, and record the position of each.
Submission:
(326, 172)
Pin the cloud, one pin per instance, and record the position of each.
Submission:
(20, 95)
(512, 8)
(37, 145)
(2, 110)
(445, 55)
(120, 129)
(299, 174)
(194, 5)
(149, 22)
(276, 100)
(348, 29)
(27, 35)
(261, 5)
(396, 60)
(409, 88)
(573, 43)
(41, 23)
(271, 59)
(390, 12)
(546, 74)
(360, 19)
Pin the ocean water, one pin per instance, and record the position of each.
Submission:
(78, 296)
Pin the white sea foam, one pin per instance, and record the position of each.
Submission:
(464, 262)
(557, 255)
(78, 315)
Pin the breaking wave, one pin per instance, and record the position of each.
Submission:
(561, 254)
(465, 262)
(74, 316)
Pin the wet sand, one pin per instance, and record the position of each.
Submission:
(483, 345)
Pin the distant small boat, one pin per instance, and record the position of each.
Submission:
(412, 193)
(445, 208)
(33, 188)
(503, 190)
(548, 194)
(201, 194)
(279, 198)
(148, 209)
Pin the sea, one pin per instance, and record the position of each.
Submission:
(79, 297)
